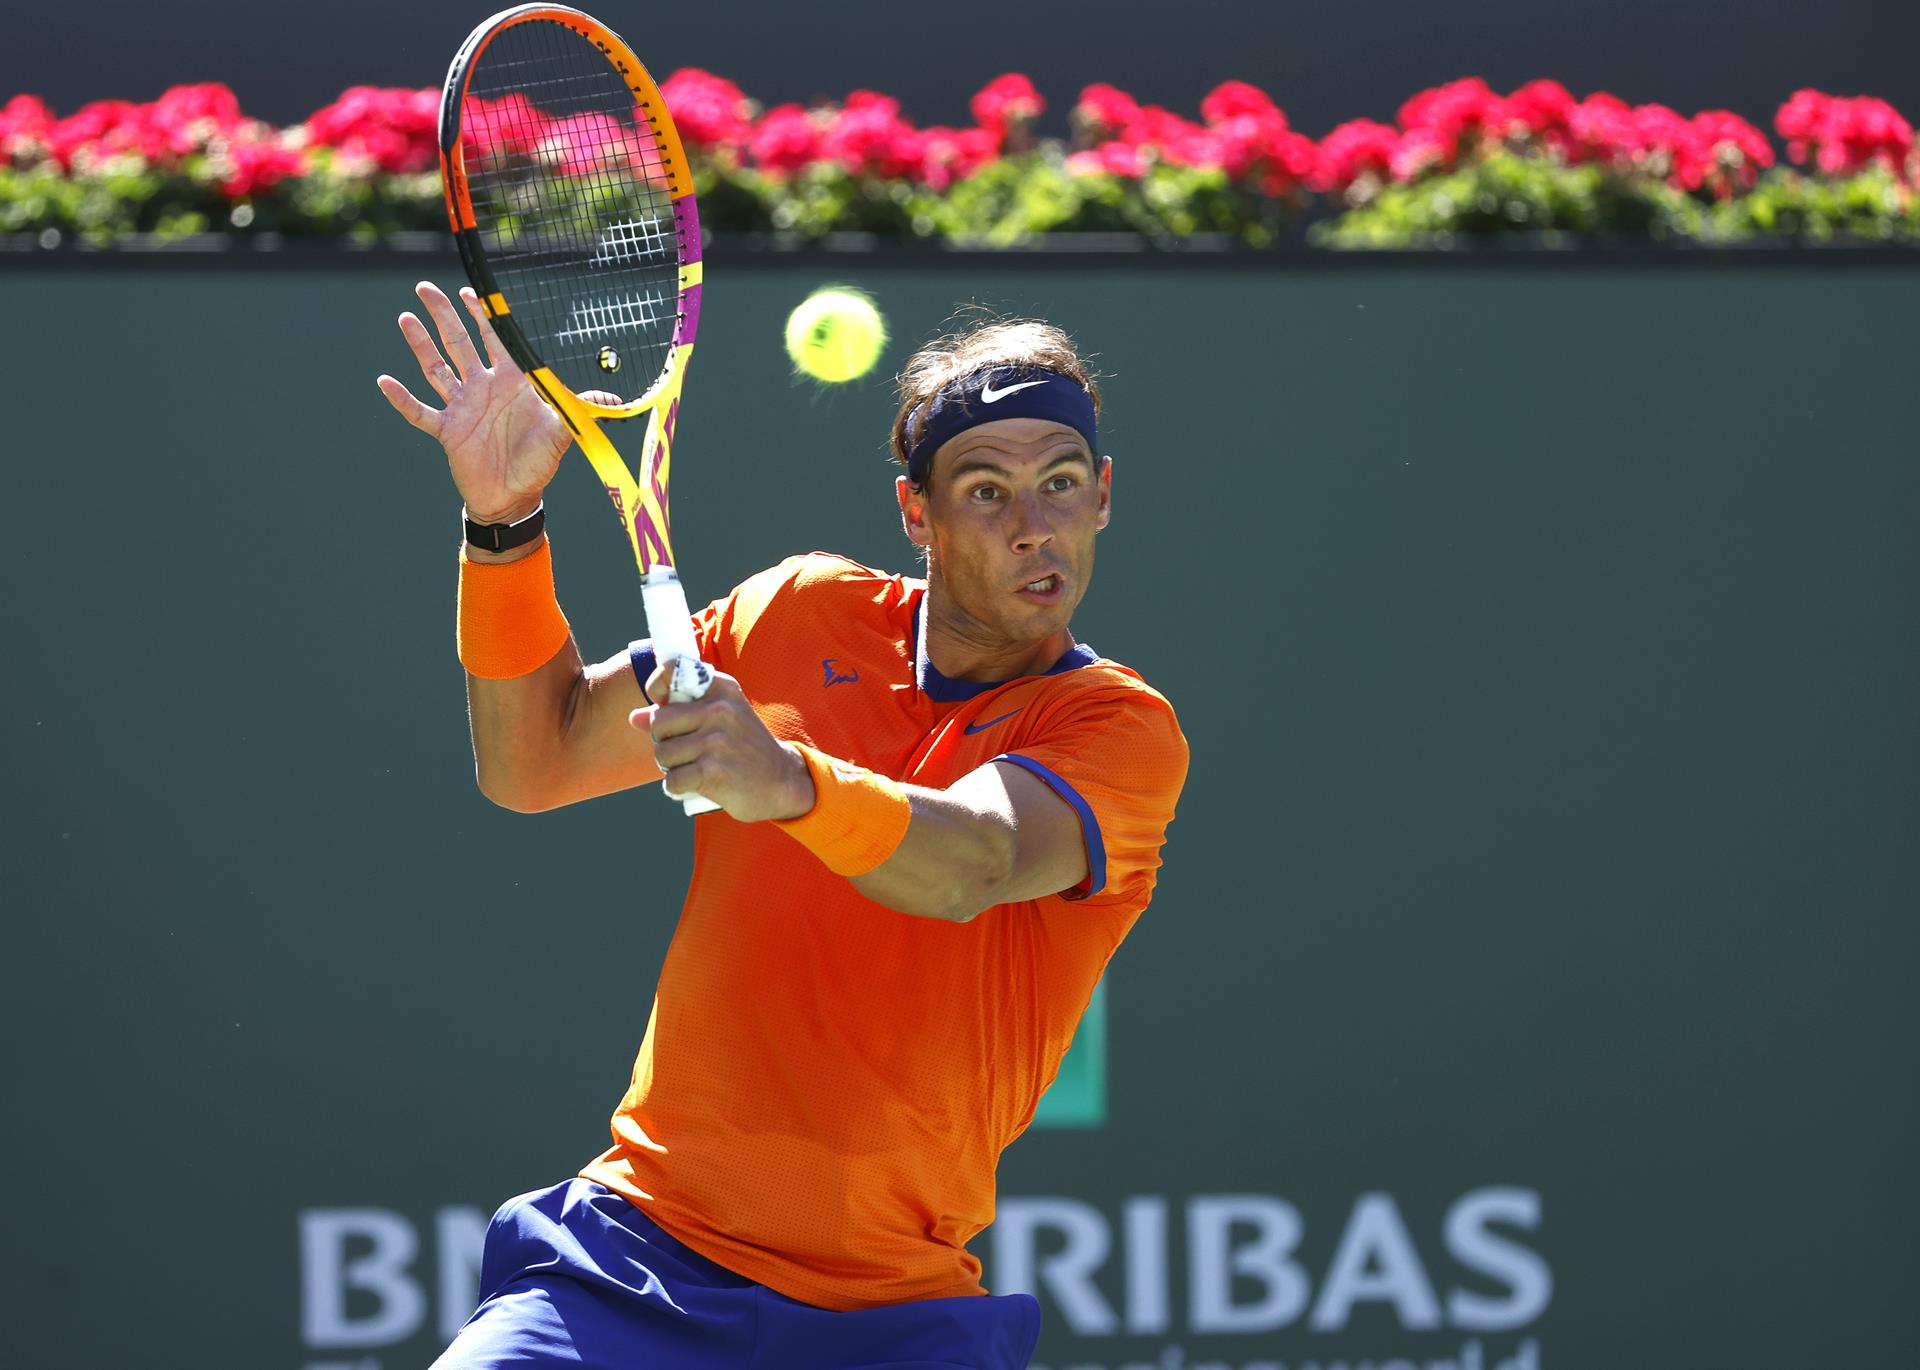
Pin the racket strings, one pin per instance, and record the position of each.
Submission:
(571, 197)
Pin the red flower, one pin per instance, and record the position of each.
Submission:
(250, 166)
(786, 139)
(1451, 116)
(82, 134)
(1844, 136)
(1111, 159)
(1005, 104)
(1105, 112)
(1539, 111)
(396, 130)
(1236, 100)
(1721, 153)
(1419, 151)
(953, 154)
(1800, 119)
(189, 115)
(709, 112)
(869, 138)
(497, 130)
(585, 143)
(1360, 147)
(24, 123)
(1175, 140)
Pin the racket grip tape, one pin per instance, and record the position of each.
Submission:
(671, 628)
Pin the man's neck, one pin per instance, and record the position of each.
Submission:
(961, 649)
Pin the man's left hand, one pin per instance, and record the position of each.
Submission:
(717, 746)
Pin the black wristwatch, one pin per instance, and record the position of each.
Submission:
(499, 537)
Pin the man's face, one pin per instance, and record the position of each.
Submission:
(1009, 517)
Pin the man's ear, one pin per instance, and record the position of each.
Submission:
(913, 512)
(1106, 493)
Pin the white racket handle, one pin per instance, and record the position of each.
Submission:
(671, 628)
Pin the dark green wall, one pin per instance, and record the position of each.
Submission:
(1546, 641)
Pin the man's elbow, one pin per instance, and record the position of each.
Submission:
(983, 882)
(511, 792)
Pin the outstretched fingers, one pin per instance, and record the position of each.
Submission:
(497, 355)
(421, 416)
(432, 365)
(453, 333)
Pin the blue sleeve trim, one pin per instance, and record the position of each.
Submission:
(640, 656)
(1089, 825)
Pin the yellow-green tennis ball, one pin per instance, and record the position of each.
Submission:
(836, 334)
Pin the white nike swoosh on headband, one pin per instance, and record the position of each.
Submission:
(988, 395)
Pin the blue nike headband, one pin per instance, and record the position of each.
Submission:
(999, 392)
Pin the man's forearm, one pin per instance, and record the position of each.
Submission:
(519, 730)
(995, 836)
(957, 854)
(519, 723)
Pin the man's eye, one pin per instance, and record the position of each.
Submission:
(985, 494)
(1060, 483)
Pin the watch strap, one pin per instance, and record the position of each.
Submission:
(500, 537)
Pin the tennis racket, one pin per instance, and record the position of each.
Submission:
(572, 205)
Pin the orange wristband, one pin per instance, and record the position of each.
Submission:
(509, 624)
(857, 818)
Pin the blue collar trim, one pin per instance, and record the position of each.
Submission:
(946, 690)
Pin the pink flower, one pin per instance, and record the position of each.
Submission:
(1800, 119)
(1177, 141)
(1722, 153)
(1006, 104)
(709, 112)
(1419, 151)
(84, 133)
(1602, 128)
(1237, 100)
(1288, 160)
(1843, 137)
(24, 124)
(189, 115)
(396, 130)
(953, 154)
(1451, 116)
(585, 143)
(1359, 147)
(869, 138)
(786, 139)
(1111, 159)
(1539, 111)
(1105, 112)
(497, 130)
(254, 165)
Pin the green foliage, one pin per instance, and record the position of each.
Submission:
(1008, 202)
(1508, 192)
(1874, 206)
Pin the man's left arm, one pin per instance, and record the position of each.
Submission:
(1085, 810)
(995, 836)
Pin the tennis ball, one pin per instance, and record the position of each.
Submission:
(836, 334)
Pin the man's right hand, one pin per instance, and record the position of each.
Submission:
(503, 442)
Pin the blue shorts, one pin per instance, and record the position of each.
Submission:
(576, 1276)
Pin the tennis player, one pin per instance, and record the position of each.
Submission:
(942, 814)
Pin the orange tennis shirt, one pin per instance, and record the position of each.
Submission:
(826, 1085)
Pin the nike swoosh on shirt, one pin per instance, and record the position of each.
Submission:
(988, 395)
(973, 728)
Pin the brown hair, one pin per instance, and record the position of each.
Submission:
(989, 342)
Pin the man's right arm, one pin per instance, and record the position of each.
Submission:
(559, 735)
